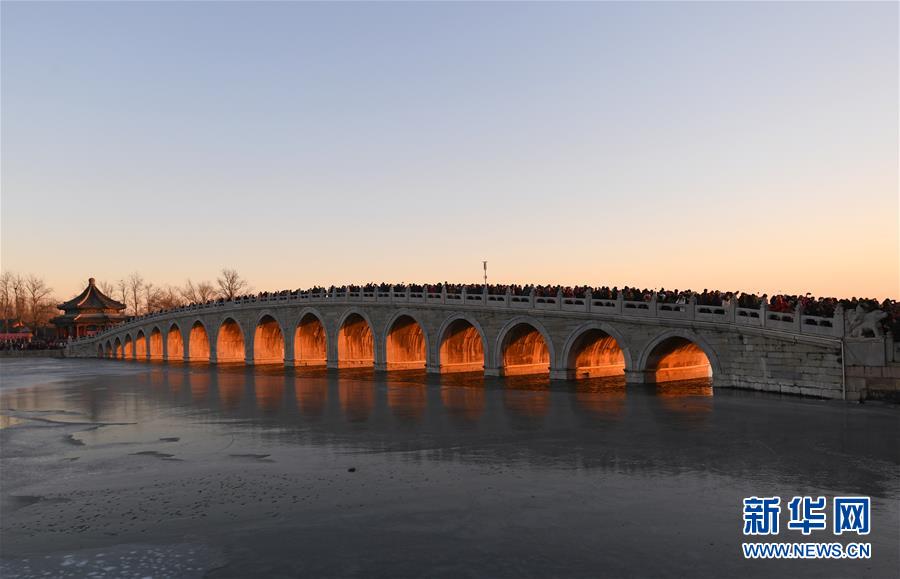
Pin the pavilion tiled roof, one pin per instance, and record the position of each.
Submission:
(91, 298)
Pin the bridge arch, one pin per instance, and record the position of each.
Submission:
(174, 343)
(462, 345)
(268, 339)
(355, 339)
(119, 351)
(524, 346)
(128, 347)
(596, 349)
(140, 345)
(155, 344)
(100, 352)
(198, 342)
(406, 343)
(678, 354)
(230, 341)
(311, 339)
(108, 351)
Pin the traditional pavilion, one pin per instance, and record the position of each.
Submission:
(87, 314)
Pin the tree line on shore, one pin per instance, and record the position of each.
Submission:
(28, 298)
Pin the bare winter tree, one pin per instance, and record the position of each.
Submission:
(198, 293)
(231, 284)
(40, 307)
(18, 291)
(107, 288)
(166, 299)
(122, 286)
(6, 301)
(135, 285)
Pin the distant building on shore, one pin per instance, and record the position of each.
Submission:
(88, 313)
(14, 330)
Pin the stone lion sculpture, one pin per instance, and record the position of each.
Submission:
(862, 323)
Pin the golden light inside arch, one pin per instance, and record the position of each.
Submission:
(140, 346)
(129, 348)
(596, 354)
(175, 344)
(405, 345)
(310, 342)
(230, 343)
(525, 351)
(356, 347)
(268, 342)
(678, 358)
(462, 349)
(156, 344)
(198, 343)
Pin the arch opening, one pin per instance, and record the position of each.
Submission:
(462, 348)
(596, 354)
(677, 358)
(119, 351)
(175, 344)
(129, 348)
(356, 347)
(100, 352)
(268, 342)
(140, 346)
(229, 343)
(198, 343)
(310, 342)
(156, 344)
(108, 352)
(405, 345)
(525, 351)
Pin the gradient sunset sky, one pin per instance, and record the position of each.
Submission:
(721, 145)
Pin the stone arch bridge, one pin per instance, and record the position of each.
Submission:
(567, 337)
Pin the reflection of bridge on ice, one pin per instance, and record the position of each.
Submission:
(505, 334)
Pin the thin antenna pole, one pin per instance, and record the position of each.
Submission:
(484, 263)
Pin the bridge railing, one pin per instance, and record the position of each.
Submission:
(793, 322)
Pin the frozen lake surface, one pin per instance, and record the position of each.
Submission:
(128, 469)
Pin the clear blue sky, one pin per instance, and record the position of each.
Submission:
(737, 146)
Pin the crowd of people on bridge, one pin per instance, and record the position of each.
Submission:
(807, 304)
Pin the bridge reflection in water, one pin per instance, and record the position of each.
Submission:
(307, 395)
